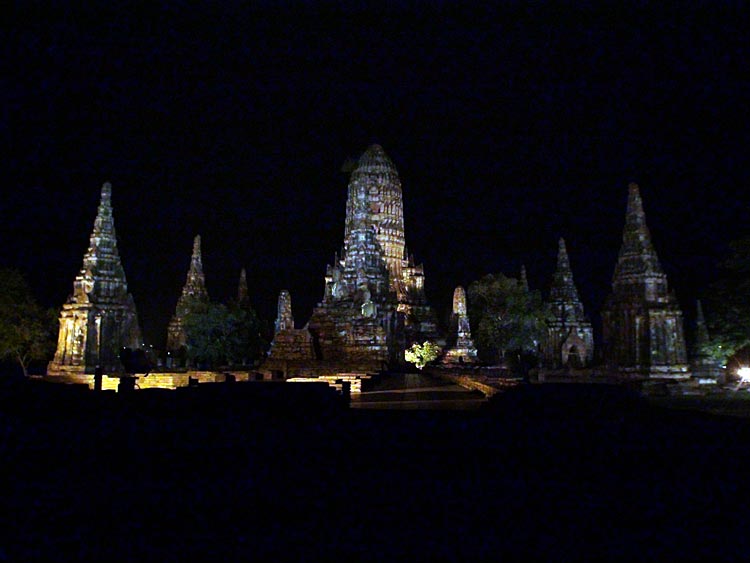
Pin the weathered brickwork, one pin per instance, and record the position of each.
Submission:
(99, 318)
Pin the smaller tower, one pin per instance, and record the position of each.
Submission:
(242, 293)
(524, 281)
(570, 336)
(463, 350)
(194, 295)
(289, 344)
(284, 318)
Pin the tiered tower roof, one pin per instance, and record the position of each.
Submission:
(564, 296)
(102, 277)
(638, 271)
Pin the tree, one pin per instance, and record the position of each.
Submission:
(422, 354)
(219, 335)
(729, 305)
(506, 318)
(27, 331)
(254, 336)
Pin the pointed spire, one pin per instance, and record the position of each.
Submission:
(197, 259)
(104, 225)
(195, 285)
(563, 286)
(563, 262)
(524, 281)
(100, 312)
(102, 259)
(563, 293)
(242, 287)
(459, 301)
(701, 331)
(637, 257)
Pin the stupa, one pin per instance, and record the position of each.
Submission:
(99, 319)
(641, 321)
(570, 336)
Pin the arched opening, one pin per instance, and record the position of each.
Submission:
(574, 359)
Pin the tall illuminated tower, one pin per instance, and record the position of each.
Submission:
(99, 318)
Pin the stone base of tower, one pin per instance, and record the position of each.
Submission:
(679, 372)
(274, 369)
(67, 371)
(341, 334)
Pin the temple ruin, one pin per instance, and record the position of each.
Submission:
(641, 320)
(99, 318)
(289, 343)
(462, 350)
(374, 303)
(570, 336)
(193, 295)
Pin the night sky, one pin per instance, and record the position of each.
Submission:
(509, 127)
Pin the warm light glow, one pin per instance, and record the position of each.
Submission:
(744, 374)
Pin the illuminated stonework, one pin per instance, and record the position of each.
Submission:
(463, 350)
(193, 293)
(377, 181)
(570, 336)
(289, 343)
(354, 321)
(99, 318)
(641, 321)
(373, 302)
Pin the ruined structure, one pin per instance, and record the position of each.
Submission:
(523, 279)
(242, 293)
(99, 318)
(375, 186)
(704, 368)
(570, 336)
(463, 350)
(374, 302)
(193, 295)
(289, 343)
(641, 320)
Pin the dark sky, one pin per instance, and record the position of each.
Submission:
(509, 127)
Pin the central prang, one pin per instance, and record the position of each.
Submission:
(374, 303)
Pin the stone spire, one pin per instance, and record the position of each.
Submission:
(570, 336)
(242, 293)
(701, 331)
(284, 318)
(563, 293)
(195, 285)
(463, 350)
(524, 281)
(641, 320)
(638, 268)
(193, 293)
(100, 317)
